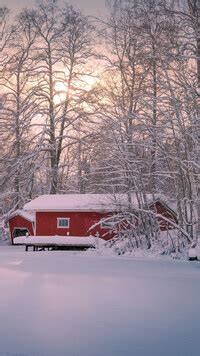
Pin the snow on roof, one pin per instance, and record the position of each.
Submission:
(84, 202)
(71, 202)
(28, 215)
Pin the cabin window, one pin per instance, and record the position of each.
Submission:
(107, 224)
(63, 223)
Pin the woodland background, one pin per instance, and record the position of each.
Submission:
(105, 105)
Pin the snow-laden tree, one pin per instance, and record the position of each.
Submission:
(17, 111)
(62, 50)
(4, 36)
(146, 112)
(135, 131)
(185, 100)
(139, 38)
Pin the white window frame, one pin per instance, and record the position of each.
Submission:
(107, 225)
(63, 227)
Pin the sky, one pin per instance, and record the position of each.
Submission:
(92, 7)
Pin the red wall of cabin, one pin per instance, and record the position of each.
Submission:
(159, 208)
(80, 223)
(20, 222)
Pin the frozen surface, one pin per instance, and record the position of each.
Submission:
(60, 303)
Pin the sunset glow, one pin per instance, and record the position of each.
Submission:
(86, 83)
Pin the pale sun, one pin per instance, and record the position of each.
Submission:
(86, 83)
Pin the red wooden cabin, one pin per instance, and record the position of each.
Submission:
(75, 215)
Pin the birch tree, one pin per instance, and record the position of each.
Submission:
(140, 38)
(62, 50)
(18, 109)
(188, 14)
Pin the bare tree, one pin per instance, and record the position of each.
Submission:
(139, 35)
(188, 15)
(61, 53)
(18, 109)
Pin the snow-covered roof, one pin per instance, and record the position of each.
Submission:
(72, 202)
(83, 202)
(28, 215)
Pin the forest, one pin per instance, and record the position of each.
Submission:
(110, 105)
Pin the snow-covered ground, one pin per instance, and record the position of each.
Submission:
(77, 304)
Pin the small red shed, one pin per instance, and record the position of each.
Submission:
(21, 223)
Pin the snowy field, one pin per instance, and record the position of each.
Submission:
(76, 304)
